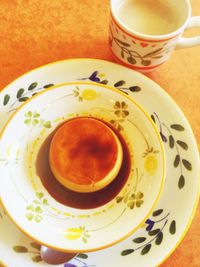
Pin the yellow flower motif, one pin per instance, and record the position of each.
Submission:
(121, 109)
(89, 94)
(74, 233)
(102, 75)
(136, 200)
(150, 164)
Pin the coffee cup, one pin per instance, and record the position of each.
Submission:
(143, 33)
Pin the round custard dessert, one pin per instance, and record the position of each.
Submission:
(85, 154)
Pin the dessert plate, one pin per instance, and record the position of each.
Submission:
(171, 218)
(36, 212)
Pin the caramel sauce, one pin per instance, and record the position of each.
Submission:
(75, 199)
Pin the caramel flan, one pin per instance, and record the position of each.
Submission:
(85, 154)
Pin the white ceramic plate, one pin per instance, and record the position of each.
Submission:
(36, 212)
(170, 220)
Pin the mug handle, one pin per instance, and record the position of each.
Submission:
(183, 42)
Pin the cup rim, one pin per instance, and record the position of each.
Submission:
(147, 37)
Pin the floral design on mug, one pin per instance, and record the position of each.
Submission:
(132, 56)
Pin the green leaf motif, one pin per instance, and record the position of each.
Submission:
(47, 124)
(35, 245)
(177, 161)
(122, 53)
(38, 209)
(119, 83)
(35, 122)
(171, 141)
(45, 202)
(123, 43)
(157, 212)
(6, 99)
(119, 199)
(154, 232)
(131, 204)
(39, 195)
(23, 99)
(181, 182)
(104, 82)
(177, 127)
(36, 202)
(139, 240)
(20, 92)
(28, 114)
(153, 53)
(20, 249)
(32, 86)
(135, 89)
(127, 252)
(131, 60)
(172, 228)
(146, 62)
(34, 94)
(29, 216)
(187, 164)
(37, 258)
(159, 238)
(82, 256)
(30, 207)
(48, 85)
(38, 218)
(27, 122)
(182, 144)
(36, 115)
(146, 249)
(153, 118)
(157, 57)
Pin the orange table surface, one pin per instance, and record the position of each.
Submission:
(36, 32)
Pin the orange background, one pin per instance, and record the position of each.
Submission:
(36, 32)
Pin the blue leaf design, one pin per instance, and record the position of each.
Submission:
(69, 265)
(150, 225)
(94, 77)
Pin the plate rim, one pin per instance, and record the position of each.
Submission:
(165, 94)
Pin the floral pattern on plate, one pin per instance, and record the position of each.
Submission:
(38, 208)
(168, 217)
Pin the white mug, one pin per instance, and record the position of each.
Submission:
(146, 51)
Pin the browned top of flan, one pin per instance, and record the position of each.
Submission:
(83, 151)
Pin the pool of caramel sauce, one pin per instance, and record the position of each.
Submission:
(75, 199)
